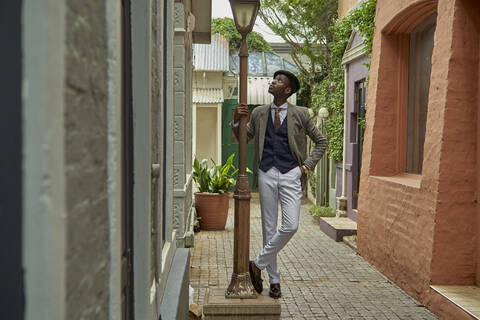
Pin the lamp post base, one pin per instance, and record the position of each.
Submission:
(217, 307)
(241, 287)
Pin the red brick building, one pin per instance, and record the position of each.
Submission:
(418, 217)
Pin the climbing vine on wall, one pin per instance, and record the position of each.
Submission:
(330, 91)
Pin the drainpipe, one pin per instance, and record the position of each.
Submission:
(322, 189)
(318, 174)
(342, 201)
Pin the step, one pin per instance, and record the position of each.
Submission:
(217, 307)
(466, 298)
(338, 227)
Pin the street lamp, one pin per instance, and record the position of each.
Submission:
(323, 113)
(244, 13)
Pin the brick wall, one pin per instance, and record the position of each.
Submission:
(421, 229)
(455, 230)
(395, 217)
(344, 6)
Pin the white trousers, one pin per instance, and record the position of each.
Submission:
(272, 187)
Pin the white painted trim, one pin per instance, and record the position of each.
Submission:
(181, 193)
(345, 129)
(44, 211)
(170, 114)
(219, 133)
(160, 4)
(332, 191)
(194, 131)
(207, 105)
(141, 99)
(350, 39)
(354, 54)
(113, 18)
(168, 252)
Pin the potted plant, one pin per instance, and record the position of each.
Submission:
(211, 200)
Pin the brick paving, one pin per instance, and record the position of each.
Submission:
(321, 279)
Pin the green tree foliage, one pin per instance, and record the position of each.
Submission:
(305, 26)
(329, 93)
(226, 27)
(318, 41)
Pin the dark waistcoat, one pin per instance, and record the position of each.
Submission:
(276, 151)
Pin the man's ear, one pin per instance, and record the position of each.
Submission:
(288, 91)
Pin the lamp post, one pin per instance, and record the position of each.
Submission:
(244, 13)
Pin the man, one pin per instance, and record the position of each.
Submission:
(280, 169)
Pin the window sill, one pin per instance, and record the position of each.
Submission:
(406, 179)
(466, 298)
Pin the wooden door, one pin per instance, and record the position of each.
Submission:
(360, 102)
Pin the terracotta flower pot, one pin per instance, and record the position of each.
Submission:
(212, 209)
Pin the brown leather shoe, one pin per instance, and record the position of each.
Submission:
(255, 276)
(275, 291)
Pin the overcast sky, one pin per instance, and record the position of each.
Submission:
(221, 8)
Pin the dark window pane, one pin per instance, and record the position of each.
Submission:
(420, 63)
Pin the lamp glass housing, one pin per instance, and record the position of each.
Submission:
(323, 113)
(245, 13)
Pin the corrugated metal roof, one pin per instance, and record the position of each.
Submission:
(207, 95)
(257, 92)
(211, 57)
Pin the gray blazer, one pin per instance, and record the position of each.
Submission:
(299, 125)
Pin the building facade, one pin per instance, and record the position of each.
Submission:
(348, 172)
(418, 210)
(210, 62)
(98, 185)
(337, 182)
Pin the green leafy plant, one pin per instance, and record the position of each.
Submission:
(321, 211)
(226, 27)
(216, 178)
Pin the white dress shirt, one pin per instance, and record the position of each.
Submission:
(282, 113)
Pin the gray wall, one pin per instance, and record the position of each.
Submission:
(43, 165)
(142, 161)
(85, 160)
(72, 165)
(93, 159)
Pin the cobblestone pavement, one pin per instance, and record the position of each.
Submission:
(321, 279)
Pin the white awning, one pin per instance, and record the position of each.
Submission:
(207, 95)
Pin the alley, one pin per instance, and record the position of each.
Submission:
(321, 279)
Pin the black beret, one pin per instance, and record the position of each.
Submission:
(294, 83)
